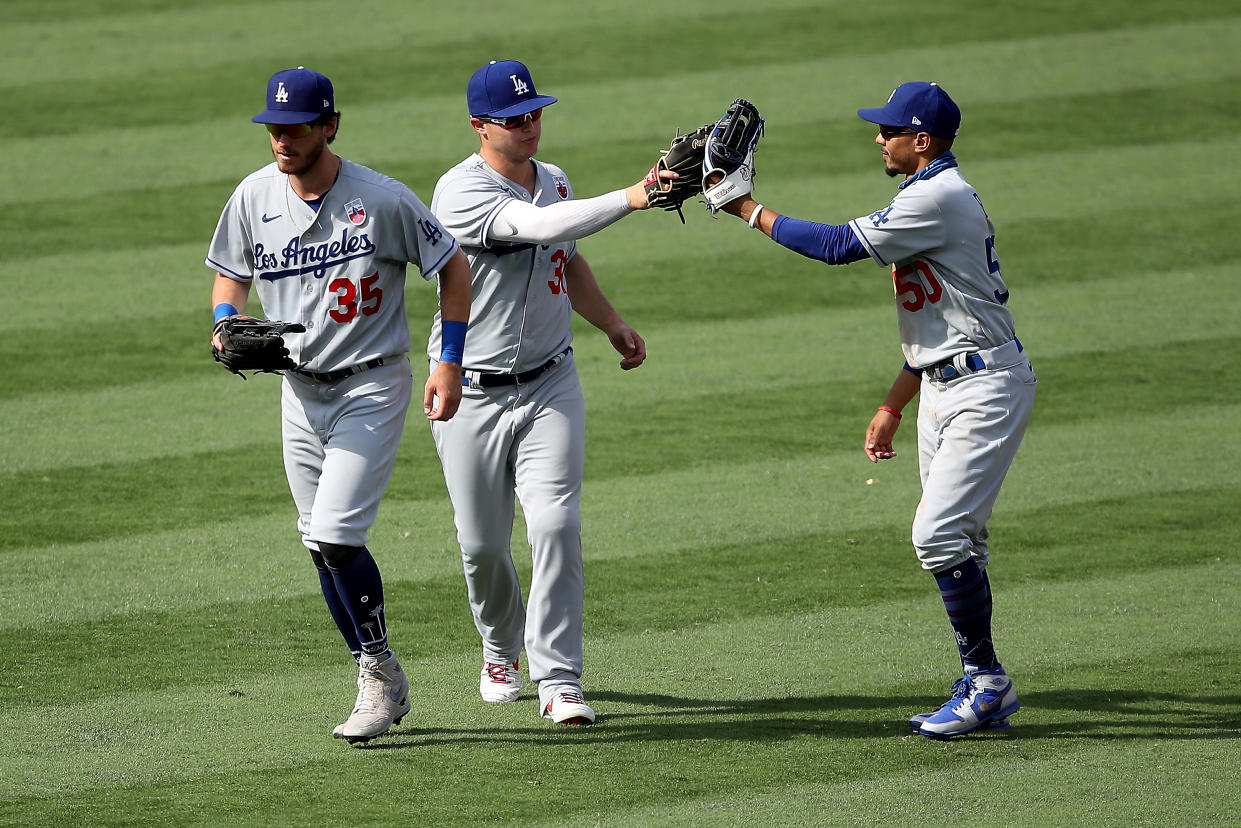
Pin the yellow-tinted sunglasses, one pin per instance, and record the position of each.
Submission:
(292, 130)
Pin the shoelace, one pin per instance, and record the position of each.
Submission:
(371, 693)
(961, 687)
(571, 697)
(498, 673)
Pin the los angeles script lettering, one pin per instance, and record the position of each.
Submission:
(316, 256)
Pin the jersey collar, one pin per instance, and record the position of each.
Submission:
(943, 162)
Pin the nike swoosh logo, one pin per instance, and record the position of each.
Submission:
(266, 218)
(987, 706)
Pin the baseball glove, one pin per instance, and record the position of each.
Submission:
(730, 155)
(249, 344)
(684, 157)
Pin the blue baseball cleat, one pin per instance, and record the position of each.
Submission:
(980, 701)
(917, 719)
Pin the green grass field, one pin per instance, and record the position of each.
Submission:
(757, 625)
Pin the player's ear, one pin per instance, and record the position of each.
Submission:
(479, 127)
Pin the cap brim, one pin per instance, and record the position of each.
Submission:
(537, 102)
(880, 116)
(283, 116)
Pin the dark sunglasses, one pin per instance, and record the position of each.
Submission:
(889, 133)
(513, 122)
(292, 130)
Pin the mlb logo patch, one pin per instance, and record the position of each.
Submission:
(356, 211)
(562, 186)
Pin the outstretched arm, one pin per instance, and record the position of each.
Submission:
(522, 222)
(590, 302)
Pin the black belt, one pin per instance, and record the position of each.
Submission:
(945, 371)
(337, 376)
(484, 380)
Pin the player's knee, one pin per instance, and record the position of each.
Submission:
(336, 555)
(553, 525)
(317, 558)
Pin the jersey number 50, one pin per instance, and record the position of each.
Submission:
(347, 306)
(918, 296)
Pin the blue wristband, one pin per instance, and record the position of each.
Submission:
(453, 341)
(222, 310)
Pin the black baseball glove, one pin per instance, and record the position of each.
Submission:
(730, 155)
(249, 344)
(684, 157)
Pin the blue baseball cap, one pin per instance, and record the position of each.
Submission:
(918, 105)
(502, 89)
(297, 96)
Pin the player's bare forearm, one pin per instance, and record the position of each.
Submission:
(591, 304)
(442, 394)
(882, 429)
(231, 292)
(455, 290)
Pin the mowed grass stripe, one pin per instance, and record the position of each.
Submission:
(206, 35)
(703, 421)
(1055, 185)
(728, 284)
(1063, 475)
(659, 274)
(1119, 61)
(827, 711)
(789, 572)
(78, 503)
(643, 45)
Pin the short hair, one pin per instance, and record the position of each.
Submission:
(325, 119)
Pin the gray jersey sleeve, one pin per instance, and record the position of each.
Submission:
(466, 201)
(232, 246)
(909, 225)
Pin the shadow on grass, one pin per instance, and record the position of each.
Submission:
(1091, 714)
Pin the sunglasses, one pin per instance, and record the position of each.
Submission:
(889, 133)
(513, 122)
(292, 130)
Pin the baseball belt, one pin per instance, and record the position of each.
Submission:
(483, 379)
(337, 376)
(963, 364)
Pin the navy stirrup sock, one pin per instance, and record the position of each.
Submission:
(967, 599)
(336, 607)
(361, 590)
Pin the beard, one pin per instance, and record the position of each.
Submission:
(300, 164)
(891, 172)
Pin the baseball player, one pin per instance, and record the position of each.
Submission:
(521, 426)
(961, 354)
(327, 242)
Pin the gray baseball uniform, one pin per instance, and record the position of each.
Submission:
(340, 271)
(526, 437)
(951, 303)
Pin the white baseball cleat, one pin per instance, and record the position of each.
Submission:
(499, 681)
(567, 707)
(383, 699)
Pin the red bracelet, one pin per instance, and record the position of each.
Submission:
(891, 411)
